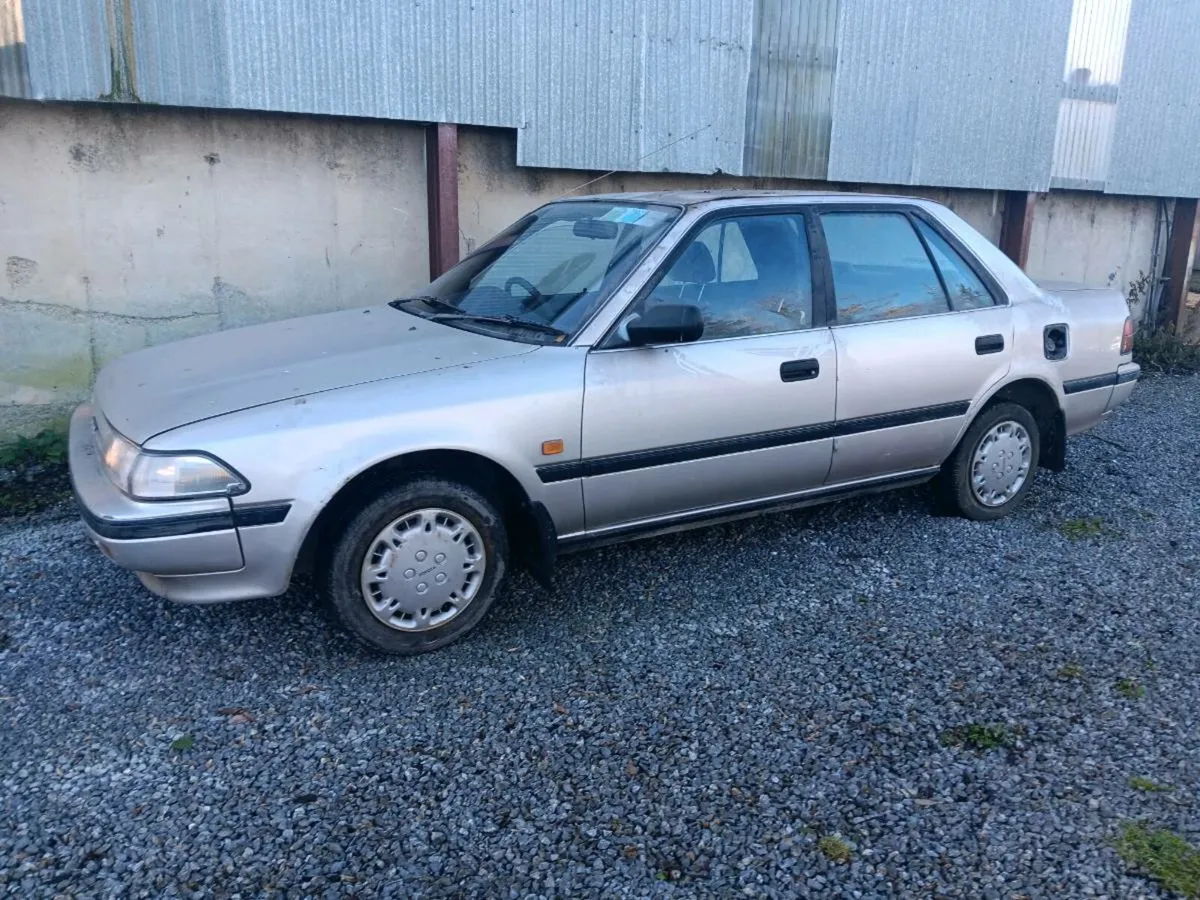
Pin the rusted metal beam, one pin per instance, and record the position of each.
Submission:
(441, 176)
(1017, 225)
(1177, 267)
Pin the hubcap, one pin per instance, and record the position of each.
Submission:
(1001, 463)
(423, 569)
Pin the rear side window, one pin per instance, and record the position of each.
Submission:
(880, 268)
(965, 289)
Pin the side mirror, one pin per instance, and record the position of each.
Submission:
(666, 323)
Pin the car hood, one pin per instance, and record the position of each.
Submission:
(163, 387)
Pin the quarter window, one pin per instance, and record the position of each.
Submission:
(748, 275)
(965, 289)
(880, 268)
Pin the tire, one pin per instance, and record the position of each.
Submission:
(958, 489)
(420, 565)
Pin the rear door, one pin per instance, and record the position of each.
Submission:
(921, 331)
(742, 415)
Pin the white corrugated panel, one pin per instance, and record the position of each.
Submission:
(1087, 112)
(956, 95)
(790, 96)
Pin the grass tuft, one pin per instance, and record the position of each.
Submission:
(1130, 689)
(183, 743)
(1163, 855)
(1070, 671)
(835, 849)
(1138, 783)
(975, 736)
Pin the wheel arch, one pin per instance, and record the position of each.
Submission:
(1036, 395)
(532, 537)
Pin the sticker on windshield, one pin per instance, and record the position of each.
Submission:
(626, 215)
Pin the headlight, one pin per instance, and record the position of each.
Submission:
(163, 476)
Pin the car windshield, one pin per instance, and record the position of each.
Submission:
(542, 278)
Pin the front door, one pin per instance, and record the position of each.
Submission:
(739, 416)
(919, 337)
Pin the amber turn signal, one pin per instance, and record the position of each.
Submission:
(551, 448)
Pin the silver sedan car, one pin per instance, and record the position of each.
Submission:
(607, 367)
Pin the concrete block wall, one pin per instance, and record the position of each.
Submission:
(123, 226)
(127, 226)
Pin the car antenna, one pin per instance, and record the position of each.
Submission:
(580, 187)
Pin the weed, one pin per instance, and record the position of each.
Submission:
(1138, 783)
(1130, 689)
(974, 736)
(1071, 671)
(1164, 352)
(1080, 529)
(47, 447)
(835, 849)
(183, 743)
(1163, 855)
(34, 472)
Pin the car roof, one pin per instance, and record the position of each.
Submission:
(694, 198)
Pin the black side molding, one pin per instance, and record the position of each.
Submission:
(1078, 385)
(989, 343)
(678, 453)
(179, 526)
(799, 370)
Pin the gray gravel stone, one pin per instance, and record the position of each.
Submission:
(686, 716)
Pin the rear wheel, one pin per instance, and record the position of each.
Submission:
(419, 567)
(992, 469)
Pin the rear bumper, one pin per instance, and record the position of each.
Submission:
(1088, 400)
(186, 550)
(1127, 377)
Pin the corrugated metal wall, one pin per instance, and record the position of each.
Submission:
(981, 93)
(960, 95)
(1156, 144)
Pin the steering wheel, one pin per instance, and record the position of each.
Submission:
(535, 295)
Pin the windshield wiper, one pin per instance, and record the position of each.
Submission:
(511, 321)
(437, 302)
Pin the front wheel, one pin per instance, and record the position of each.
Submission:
(992, 469)
(418, 567)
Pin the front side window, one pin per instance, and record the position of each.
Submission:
(880, 268)
(748, 275)
(547, 273)
(965, 289)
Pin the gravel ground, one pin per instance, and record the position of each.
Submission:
(687, 716)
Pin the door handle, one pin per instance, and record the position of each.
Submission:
(989, 343)
(799, 370)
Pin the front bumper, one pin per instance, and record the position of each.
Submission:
(187, 550)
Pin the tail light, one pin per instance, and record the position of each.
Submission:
(1127, 337)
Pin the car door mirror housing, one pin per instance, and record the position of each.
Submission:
(666, 323)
